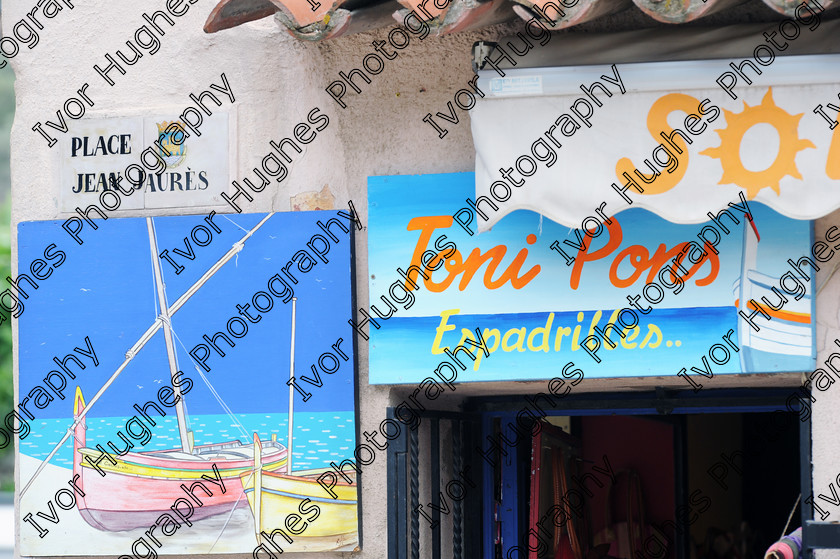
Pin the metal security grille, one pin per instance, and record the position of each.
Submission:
(434, 487)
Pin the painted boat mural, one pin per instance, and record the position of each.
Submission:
(134, 487)
(790, 330)
(273, 496)
(139, 487)
(145, 481)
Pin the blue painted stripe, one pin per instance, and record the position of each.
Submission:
(296, 496)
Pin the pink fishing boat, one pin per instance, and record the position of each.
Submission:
(138, 487)
(143, 485)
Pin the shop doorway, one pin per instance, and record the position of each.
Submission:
(718, 473)
(645, 486)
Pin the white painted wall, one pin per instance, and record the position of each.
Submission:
(825, 422)
(277, 80)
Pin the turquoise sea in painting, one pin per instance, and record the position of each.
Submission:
(320, 437)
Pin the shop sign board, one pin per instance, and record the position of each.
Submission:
(542, 295)
(100, 150)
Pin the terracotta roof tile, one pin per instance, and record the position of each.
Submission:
(230, 13)
(316, 20)
(461, 15)
(788, 7)
(562, 16)
(682, 11)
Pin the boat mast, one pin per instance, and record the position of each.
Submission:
(258, 517)
(180, 409)
(749, 261)
(291, 393)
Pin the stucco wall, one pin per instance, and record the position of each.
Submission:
(277, 80)
(825, 421)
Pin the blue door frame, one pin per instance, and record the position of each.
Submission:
(816, 534)
(473, 533)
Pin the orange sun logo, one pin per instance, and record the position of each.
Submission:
(729, 151)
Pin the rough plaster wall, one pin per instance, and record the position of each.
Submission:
(277, 80)
(825, 421)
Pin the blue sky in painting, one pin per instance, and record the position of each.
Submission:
(105, 290)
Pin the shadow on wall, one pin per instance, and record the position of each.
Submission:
(7, 113)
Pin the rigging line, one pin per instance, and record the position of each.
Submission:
(74, 436)
(216, 395)
(168, 321)
(225, 407)
(229, 219)
(224, 526)
(234, 250)
(143, 340)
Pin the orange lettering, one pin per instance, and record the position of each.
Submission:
(641, 260)
(662, 256)
(516, 266)
(713, 260)
(583, 256)
(474, 262)
(638, 259)
(657, 121)
(453, 265)
(427, 226)
(496, 254)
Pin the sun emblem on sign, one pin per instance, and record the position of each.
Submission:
(729, 151)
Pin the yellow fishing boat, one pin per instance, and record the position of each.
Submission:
(295, 503)
(272, 496)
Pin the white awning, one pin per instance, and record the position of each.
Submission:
(769, 144)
